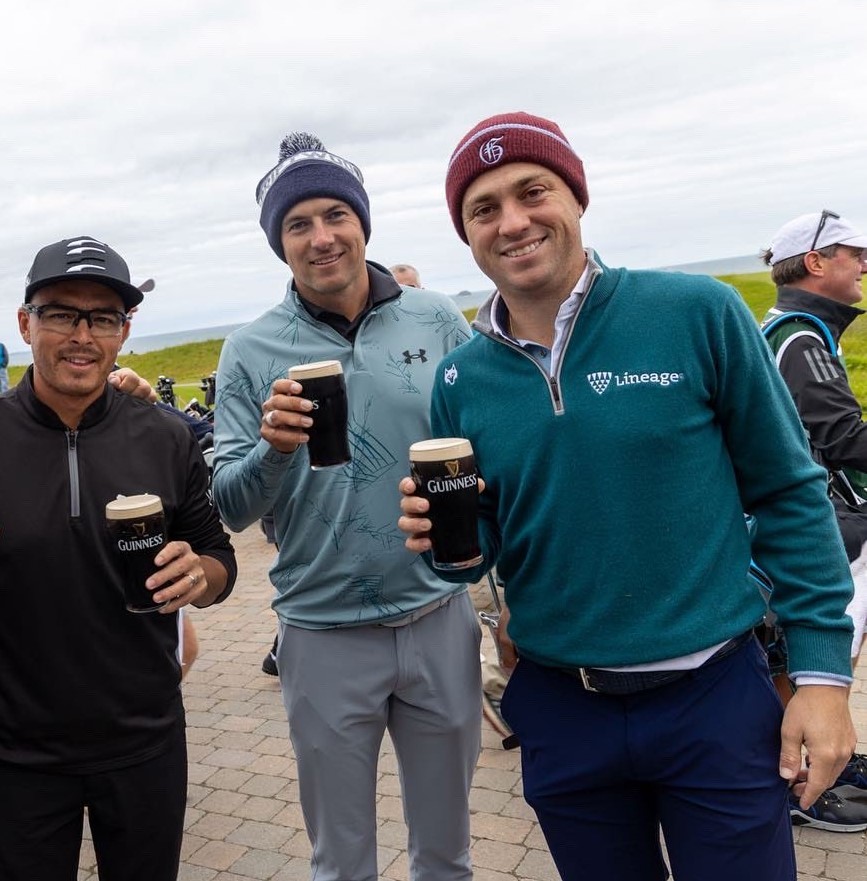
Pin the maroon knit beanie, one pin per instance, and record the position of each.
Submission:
(511, 137)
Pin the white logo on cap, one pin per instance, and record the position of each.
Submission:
(85, 267)
(85, 249)
(76, 246)
(85, 246)
(491, 152)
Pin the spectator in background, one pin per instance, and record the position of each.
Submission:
(406, 275)
(817, 262)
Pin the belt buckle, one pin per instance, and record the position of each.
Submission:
(585, 680)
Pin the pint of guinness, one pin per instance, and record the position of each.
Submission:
(444, 471)
(323, 384)
(138, 531)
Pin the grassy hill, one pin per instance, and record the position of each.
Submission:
(187, 364)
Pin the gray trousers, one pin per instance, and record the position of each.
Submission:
(343, 688)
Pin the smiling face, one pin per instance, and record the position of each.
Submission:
(323, 242)
(69, 370)
(523, 226)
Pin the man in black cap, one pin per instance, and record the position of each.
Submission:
(90, 706)
(818, 261)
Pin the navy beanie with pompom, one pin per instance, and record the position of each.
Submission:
(306, 170)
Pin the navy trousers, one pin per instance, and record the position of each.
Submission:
(697, 758)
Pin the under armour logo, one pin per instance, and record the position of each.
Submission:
(491, 152)
(419, 356)
(451, 375)
(599, 380)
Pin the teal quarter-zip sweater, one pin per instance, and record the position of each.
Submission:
(616, 490)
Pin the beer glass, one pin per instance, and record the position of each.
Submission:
(323, 384)
(137, 526)
(444, 471)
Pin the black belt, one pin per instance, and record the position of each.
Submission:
(619, 683)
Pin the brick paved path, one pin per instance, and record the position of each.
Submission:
(244, 821)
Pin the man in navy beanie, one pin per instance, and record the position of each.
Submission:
(370, 639)
(623, 423)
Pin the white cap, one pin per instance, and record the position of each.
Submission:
(796, 237)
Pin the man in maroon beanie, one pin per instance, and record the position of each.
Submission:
(623, 422)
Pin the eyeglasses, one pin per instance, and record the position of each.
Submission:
(64, 319)
(822, 221)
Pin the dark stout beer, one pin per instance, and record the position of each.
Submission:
(444, 471)
(323, 384)
(138, 530)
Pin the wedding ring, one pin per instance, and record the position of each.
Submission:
(193, 578)
(269, 418)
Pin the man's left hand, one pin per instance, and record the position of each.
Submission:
(816, 717)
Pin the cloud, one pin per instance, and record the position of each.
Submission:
(703, 126)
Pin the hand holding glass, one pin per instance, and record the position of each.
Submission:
(137, 526)
(444, 472)
(322, 383)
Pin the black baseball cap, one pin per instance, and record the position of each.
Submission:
(82, 257)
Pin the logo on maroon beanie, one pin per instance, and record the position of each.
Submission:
(491, 152)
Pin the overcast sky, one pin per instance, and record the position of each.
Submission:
(703, 126)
